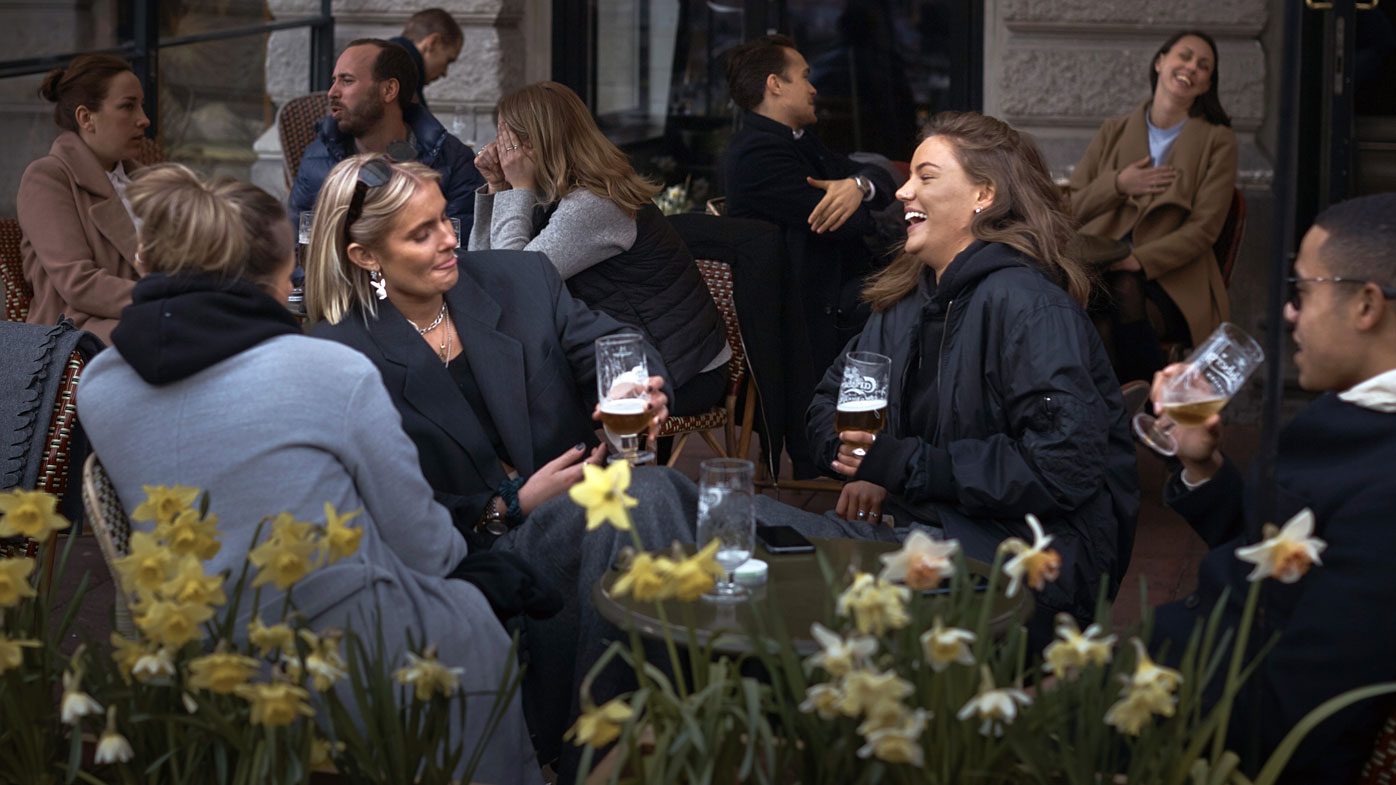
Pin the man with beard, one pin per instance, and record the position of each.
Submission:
(371, 111)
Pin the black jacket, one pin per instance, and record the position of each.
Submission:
(654, 285)
(765, 171)
(1028, 419)
(1335, 623)
(530, 346)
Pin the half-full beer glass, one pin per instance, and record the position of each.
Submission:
(1213, 373)
(863, 393)
(622, 379)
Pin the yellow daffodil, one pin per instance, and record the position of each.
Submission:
(164, 503)
(287, 556)
(1287, 554)
(648, 578)
(997, 707)
(899, 743)
(14, 581)
(154, 664)
(291, 666)
(943, 645)
(695, 576)
(267, 639)
(1035, 564)
(340, 540)
(599, 726)
(189, 535)
(822, 699)
(1137, 706)
(29, 514)
(838, 656)
(1074, 650)
(322, 754)
(602, 493)
(12, 651)
(428, 676)
(170, 623)
(221, 672)
(189, 584)
(875, 605)
(1147, 673)
(921, 563)
(76, 704)
(275, 704)
(147, 564)
(869, 692)
(126, 653)
(323, 663)
(112, 747)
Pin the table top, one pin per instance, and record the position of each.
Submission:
(796, 594)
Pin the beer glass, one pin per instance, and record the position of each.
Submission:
(296, 301)
(1213, 373)
(622, 378)
(727, 513)
(455, 224)
(863, 394)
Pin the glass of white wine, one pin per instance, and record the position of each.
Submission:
(622, 387)
(1212, 374)
(727, 513)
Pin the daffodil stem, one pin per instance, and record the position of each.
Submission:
(1233, 670)
(673, 650)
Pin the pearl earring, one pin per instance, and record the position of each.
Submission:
(978, 210)
(380, 286)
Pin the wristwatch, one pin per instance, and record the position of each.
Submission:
(492, 520)
(863, 185)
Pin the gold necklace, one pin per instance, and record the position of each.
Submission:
(446, 342)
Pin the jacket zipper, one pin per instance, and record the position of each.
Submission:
(940, 356)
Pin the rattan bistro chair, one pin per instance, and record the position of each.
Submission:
(18, 292)
(112, 529)
(718, 276)
(295, 122)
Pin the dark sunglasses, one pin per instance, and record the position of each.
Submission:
(373, 174)
(1296, 296)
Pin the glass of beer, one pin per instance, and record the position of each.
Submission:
(622, 379)
(1213, 373)
(727, 513)
(455, 224)
(863, 393)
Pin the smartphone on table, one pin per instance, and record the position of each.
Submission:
(783, 539)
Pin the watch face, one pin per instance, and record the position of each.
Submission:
(496, 526)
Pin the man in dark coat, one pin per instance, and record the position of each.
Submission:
(1335, 458)
(433, 40)
(777, 170)
(371, 111)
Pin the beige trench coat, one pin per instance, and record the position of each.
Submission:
(1173, 230)
(79, 241)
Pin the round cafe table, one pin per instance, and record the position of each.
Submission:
(795, 595)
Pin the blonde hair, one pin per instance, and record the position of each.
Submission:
(569, 150)
(219, 226)
(1026, 215)
(334, 285)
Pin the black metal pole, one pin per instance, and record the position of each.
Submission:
(146, 62)
(322, 49)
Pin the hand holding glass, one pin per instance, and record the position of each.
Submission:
(727, 513)
(862, 404)
(1212, 374)
(622, 387)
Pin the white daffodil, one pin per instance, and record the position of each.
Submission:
(1285, 555)
(1074, 650)
(838, 656)
(112, 747)
(1034, 563)
(944, 645)
(154, 664)
(899, 743)
(921, 563)
(996, 706)
(76, 703)
(1147, 673)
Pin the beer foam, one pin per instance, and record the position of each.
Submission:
(861, 406)
(624, 406)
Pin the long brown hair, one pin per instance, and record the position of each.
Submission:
(1026, 213)
(1208, 105)
(569, 150)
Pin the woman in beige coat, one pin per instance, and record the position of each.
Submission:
(79, 244)
(1161, 178)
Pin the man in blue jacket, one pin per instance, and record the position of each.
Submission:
(371, 111)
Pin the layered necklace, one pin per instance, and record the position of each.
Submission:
(444, 350)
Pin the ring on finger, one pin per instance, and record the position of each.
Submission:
(862, 513)
(859, 451)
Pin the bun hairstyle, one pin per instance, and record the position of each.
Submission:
(84, 82)
(221, 226)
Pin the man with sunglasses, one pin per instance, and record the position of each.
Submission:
(372, 111)
(1336, 458)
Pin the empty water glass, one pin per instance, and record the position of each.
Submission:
(727, 513)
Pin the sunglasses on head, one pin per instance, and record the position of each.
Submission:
(373, 174)
(1296, 296)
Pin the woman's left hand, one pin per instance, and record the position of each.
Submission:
(658, 403)
(852, 449)
(861, 501)
(516, 160)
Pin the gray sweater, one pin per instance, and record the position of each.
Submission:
(290, 424)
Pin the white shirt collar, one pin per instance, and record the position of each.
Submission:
(119, 181)
(1377, 393)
